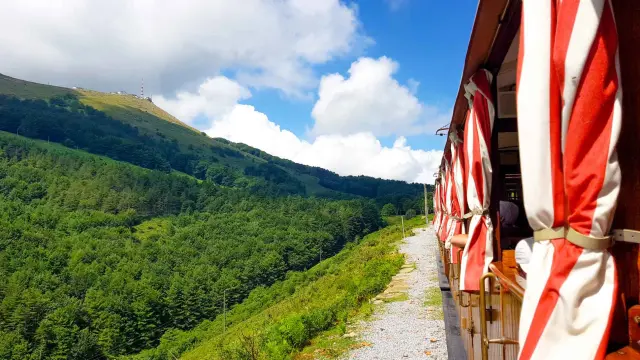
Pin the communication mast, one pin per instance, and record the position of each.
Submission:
(142, 88)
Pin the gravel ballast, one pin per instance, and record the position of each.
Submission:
(408, 329)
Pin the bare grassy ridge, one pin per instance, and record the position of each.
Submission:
(29, 90)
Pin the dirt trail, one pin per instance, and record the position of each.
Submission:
(408, 321)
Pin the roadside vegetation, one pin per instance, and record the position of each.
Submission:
(308, 309)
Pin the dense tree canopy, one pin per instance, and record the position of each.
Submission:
(100, 258)
(388, 210)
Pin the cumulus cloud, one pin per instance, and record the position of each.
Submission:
(371, 99)
(113, 44)
(355, 154)
(351, 113)
(214, 98)
(353, 150)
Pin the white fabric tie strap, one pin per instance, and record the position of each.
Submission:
(453, 136)
(574, 237)
(548, 234)
(626, 235)
(474, 212)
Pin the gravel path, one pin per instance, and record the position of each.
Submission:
(408, 329)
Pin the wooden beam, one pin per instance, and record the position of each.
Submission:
(487, 34)
(510, 24)
(496, 182)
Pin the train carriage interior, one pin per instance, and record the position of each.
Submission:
(507, 199)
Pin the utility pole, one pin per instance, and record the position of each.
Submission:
(403, 236)
(426, 207)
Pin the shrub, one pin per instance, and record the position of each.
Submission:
(410, 214)
(388, 210)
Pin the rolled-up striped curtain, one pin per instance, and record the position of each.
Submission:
(446, 201)
(478, 252)
(437, 220)
(457, 194)
(434, 196)
(443, 196)
(436, 205)
(441, 186)
(569, 117)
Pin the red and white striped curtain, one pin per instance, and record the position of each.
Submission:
(478, 252)
(436, 206)
(443, 196)
(458, 207)
(446, 201)
(436, 201)
(569, 116)
(441, 186)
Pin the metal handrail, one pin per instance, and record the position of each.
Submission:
(458, 278)
(485, 341)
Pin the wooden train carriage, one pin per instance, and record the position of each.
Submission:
(489, 314)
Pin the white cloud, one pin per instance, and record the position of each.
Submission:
(215, 97)
(370, 99)
(113, 44)
(356, 151)
(355, 154)
(396, 4)
(413, 84)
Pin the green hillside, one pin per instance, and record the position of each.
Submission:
(128, 128)
(277, 322)
(100, 258)
(30, 90)
(124, 231)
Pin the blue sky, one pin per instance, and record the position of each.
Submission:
(428, 38)
(355, 87)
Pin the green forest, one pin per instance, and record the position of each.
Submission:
(125, 233)
(100, 258)
(288, 318)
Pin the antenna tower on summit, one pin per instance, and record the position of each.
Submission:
(142, 88)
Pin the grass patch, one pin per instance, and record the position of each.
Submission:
(331, 344)
(432, 297)
(328, 345)
(433, 303)
(397, 297)
(29, 90)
